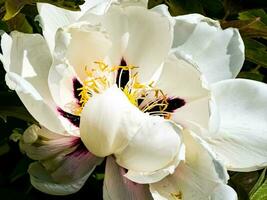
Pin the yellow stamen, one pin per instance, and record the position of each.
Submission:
(99, 78)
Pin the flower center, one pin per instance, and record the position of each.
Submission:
(145, 96)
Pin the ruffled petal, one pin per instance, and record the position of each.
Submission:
(20, 57)
(242, 137)
(155, 146)
(64, 84)
(144, 50)
(42, 181)
(63, 160)
(196, 178)
(219, 54)
(81, 45)
(115, 23)
(179, 79)
(129, 28)
(108, 122)
(53, 18)
(116, 186)
(41, 144)
(43, 112)
(155, 176)
(27, 73)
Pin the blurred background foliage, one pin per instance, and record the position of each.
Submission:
(249, 16)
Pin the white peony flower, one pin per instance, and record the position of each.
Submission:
(154, 94)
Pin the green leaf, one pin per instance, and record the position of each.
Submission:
(252, 14)
(17, 112)
(20, 23)
(99, 176)
(181, 7)
(257, 26)
(234, 7)
(13, 7)
(261, 192)
(258, 184)
(153, 3)
(251, 75)
(213, 8)
(251, 24)
(256, 52)
(245, 180)
(73, 5)
(4, 26)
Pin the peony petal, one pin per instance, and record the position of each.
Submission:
(241, 139)
(175, 77)
(115, 22)
(62, 79)
(44, 113)
(91, 43)
(108, 122)
(180, 79)
(64, 159)
(53, 18)
(155, 146)
(116, 186)
(128, 27)
(40, 143)
(194, 114)
(219, 54)
(196, 178)
(42, 181)
(27, 72)
(20, 57)
(152, 177)
(223, 192)
(75, 165)
(144, 50)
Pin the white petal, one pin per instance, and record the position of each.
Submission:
(145, 50)
(185, 25)
(42, 181)
(116, 186)
(154, 147)
(219, 54)
(180, 79)
(223, 192)
(115, 22)
(6, 46)
(53, 18)
(152, 177)
(242, 136)
(108, 122)
(81, 45)
(40, 143)
(27, 73)
(195, 113)
(20, 57)
(196, 178)
(61, 80)
(44, 113)
(129, 29)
